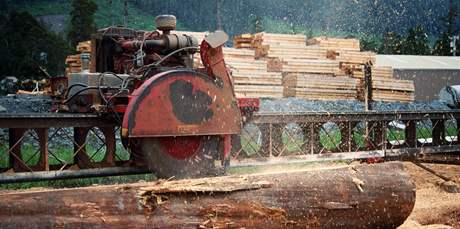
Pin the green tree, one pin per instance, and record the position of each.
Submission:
(258, 24)
(391, 44)
(81, 21)
(369, 43)
(416, 42)
(442, 45)
(26, 45)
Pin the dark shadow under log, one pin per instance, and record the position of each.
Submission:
(366, 196)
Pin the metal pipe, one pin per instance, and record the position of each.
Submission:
(70, 174)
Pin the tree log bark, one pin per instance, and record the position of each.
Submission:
(365, 196)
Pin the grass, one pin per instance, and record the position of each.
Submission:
(71, 183)
(331, 140)
(66, 155)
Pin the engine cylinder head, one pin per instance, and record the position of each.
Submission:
(166, 23)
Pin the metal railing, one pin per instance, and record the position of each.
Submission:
(343, 136)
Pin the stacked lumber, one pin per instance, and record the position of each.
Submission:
(294, 55)
(285, 46)
(290, 52)
(273, 39)
(73, 62)
(352, 57)
(252, 78)
(319, 86)
(84, 47)
(385, 87)
(335, 43)
(240, 54)
(390, 90)
(243, 41)
(382, 72)
(311, 66)
(377, 72)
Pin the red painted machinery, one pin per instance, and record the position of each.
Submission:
(175, 118)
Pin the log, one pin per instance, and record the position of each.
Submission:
(369, 196)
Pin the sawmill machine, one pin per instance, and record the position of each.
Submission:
(175, 118)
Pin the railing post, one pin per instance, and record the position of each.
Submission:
(411, 133)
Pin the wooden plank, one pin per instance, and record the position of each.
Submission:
(354, 57)
(377, 72)
(393, 96)
(258, 88)
(335, 43)
(258, 95)
(317, 86)
(257, 78)
(393, 84)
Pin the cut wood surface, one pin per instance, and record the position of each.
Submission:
(393, 84)
(335, 43)
(258, 91)
(356, 57)
(258, 54)
(377, 72)
(257, 78)
(391, 96)
(365, 196)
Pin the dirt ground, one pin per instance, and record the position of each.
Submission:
(434, 207)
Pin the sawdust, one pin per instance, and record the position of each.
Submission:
(434, 207)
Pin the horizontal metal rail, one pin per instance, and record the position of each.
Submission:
(269, 137)
(301, 117)
(48, 120)
(70, 174)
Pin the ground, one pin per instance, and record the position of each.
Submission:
(434, 207)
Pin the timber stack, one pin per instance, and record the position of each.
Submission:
(324, 68)
(73, 62)
(252, 78)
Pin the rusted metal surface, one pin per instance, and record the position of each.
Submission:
(181, 103)
(47, 120)
(185, 102)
